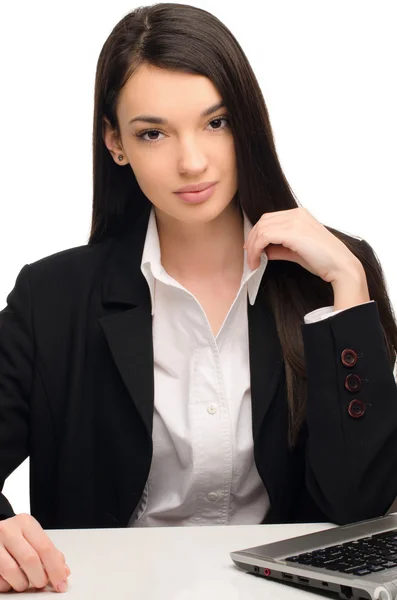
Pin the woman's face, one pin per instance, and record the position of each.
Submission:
(188, 148)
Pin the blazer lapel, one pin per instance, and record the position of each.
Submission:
(127, 324)
(266, 360)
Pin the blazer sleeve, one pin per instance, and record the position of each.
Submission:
(16, 368)
(351, 455)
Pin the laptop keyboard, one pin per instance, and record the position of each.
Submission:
(359, 557)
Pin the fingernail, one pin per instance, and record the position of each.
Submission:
(63, 586)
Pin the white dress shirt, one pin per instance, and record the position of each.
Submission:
(203, 470)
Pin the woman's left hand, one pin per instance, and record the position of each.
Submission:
(297, 236)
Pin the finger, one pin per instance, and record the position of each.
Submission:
(256, 246)
(11, 572)
(262, 234)
(51, 558)
(27, 559)
(262, 226)
(4, 585)
(278, 252)
(291, 213)
(252, 236)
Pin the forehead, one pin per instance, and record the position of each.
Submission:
(167, 93)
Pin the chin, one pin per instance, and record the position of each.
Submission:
(203, 213)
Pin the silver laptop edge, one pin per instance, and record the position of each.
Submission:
(378, 586)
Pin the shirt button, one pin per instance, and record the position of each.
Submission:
(212, 408)
(212, 496)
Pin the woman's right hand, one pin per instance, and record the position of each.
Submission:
(28, 556)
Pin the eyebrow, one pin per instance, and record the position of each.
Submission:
(161, 121)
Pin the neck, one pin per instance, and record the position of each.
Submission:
(202, 250)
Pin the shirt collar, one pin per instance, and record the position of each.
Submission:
(152, 268)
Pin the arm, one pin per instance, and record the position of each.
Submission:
(351, 462)
(16, 367)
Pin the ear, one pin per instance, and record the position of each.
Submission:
(113, 143)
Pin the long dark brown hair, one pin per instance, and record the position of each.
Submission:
(189, 39)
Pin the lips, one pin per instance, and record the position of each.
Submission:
(199, 187)
(197, 197)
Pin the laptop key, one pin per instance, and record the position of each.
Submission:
(354, 568)
(376, 568)
(362, 572)
(331, 561)
(377, 561)
(305, 561)
(340, 566)
(389, 564)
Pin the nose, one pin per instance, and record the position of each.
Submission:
(192, 159)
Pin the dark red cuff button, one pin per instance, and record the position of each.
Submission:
(356, 409)
(353, 383)
(349, 357)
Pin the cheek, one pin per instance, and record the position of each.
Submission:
(230, 156)
(153, 180)
(230, 163)
(149, 173)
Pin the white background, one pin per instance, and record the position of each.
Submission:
(328, 74)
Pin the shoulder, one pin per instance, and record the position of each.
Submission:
(65, 273)
(77, 257)
(72, 261)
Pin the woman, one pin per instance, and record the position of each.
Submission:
(208, 357)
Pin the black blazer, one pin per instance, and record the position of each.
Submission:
(76, 395)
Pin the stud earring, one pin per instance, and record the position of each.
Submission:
(120, 157)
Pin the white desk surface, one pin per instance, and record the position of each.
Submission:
(168, 563)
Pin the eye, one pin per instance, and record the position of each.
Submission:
(141, 135)
(218, 120)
